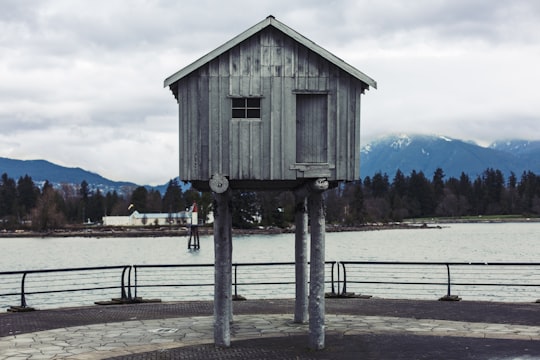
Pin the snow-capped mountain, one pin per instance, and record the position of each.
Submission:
(426, 153)
(517, 147)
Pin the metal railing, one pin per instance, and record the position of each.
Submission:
(173, 282)
(40, 284)
(255, 280)
(508, 281)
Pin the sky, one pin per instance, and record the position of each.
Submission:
(81, 82)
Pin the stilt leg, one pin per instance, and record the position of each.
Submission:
(316, 285)
(301, 259)
(223, 268)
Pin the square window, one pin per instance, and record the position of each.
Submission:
(246, 108)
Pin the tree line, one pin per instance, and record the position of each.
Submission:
(372, 199)
(379, 199)
(25, 205)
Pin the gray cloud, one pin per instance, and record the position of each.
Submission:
(81, 82)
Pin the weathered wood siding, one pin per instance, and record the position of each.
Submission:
(274, 67)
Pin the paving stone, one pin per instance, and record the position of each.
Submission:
(149, 334)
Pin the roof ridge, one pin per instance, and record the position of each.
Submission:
(270, 21)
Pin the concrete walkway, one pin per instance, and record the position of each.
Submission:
(352, 328)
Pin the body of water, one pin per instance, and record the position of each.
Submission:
(461, 243)
(493, 242)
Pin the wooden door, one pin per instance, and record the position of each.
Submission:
(311, 128)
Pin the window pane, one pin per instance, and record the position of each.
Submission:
(238, 113)
(238, 102)
(254, 102)
(253, 113)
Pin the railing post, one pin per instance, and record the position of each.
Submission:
(449, 296)
(23, 296)
(129, 284)
(24, 306)
(344, 280)
(123, 284)
(448, 277)
(135, 281)
(235, 281)
(332, 278)
(338, 277)
(236, 297)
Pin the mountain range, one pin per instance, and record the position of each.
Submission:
(42, 170)
(423, 153)
(426, 153)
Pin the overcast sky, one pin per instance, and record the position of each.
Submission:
(81, 82)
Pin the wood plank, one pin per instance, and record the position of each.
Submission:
(234, 62)
(213, 67)
(289, 54)
(333, 112)
(266, 61)
(194, 141)
(268, 128)
(302, 67)
(277, 122)
(358, 133)
(224, 64)
(313, 64)
(234, 150)
(203, 126)
(343, 135)
(235, 86)
(276, 61)
(289, 129)
(182, 126)
(245, 86)
(225, 120)
(245, 58)
(244, 150)
(215, 120)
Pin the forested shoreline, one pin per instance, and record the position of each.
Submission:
(376, 199)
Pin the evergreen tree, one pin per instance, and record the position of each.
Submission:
(153, 201)
(138, 199)
(8, 198)
(438, 185)
(172, 200)
(420, 195)
(27, 193)
(96, 207)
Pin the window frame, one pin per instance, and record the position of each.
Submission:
(246, 107)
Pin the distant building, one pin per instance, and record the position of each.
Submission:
(142, 219)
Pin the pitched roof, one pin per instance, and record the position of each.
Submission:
(271, 21)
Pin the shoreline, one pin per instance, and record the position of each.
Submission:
(100, 231)
(184, 231)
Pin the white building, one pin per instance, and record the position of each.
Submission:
(138, 219)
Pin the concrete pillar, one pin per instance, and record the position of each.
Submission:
(316, 307)
(223, 261)
(301, 258)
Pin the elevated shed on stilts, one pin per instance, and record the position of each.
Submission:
(270, 109)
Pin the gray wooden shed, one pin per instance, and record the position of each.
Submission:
(269, 108)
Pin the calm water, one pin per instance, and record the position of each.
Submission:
(478, 243)
(510, 242)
